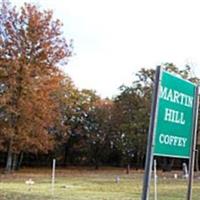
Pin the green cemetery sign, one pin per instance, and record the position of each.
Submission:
(174, 125)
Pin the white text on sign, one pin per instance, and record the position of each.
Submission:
(174, 116)
(176, 97)
(172, 140)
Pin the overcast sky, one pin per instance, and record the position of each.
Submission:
(113, 39)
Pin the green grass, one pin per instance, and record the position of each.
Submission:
(85, 184)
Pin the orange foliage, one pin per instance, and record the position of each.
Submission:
(31, 49)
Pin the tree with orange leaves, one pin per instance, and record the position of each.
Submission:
(31, 49)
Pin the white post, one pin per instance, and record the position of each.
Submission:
(155, 180)
(53, 175)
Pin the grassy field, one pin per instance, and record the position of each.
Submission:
(82, 184)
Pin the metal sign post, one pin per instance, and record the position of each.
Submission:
(155, 179)
(149, 152)
(193, 149)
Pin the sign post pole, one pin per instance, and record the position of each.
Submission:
(155, 179)
(149, 152)
(193, 147)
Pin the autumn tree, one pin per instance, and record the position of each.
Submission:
(77, 119)
(98, 131)
(130, 123)
(31, 49)
(67, 97)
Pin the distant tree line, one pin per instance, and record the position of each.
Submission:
(44, 116)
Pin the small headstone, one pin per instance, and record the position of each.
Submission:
(117, 179)
(185, 171)
(175, 176)
(64, 186)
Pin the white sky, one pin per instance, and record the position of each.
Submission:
(113, 39)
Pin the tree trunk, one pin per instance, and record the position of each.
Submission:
(137, 162)
(66, 153)
(14, 162)
(12, 158)
(9, 158)
(168, 163)
(128, 169)
(96, 163)
(21, 155)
